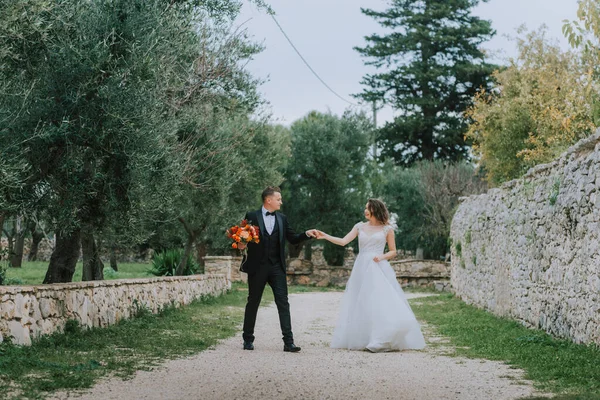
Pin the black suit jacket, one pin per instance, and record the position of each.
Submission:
(256, 251)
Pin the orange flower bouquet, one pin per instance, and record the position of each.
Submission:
(243, 233)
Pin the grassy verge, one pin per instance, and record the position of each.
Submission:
(555, 365)
(33, 272)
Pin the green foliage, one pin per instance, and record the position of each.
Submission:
(131, 119)
(326, 185)
(87, 87)
(72, 327)
(543, 104)
(4, 268)
(458, 248)
(555, 191)
(432, 66)
(165, 263)
(255, 159)
(425, 198)
(584, 34)
(468, 237)
(402, 191)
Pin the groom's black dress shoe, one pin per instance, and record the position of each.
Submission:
(292, 348)
(248, 346)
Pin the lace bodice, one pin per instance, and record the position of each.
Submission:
(372, 239)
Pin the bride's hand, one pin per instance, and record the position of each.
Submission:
(378, 258)
(321, 234)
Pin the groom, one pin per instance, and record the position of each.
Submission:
(265, 263)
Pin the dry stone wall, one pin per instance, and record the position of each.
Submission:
(316, 271)
(530, 250)
(26, 312)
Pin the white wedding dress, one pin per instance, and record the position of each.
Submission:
(374, 313)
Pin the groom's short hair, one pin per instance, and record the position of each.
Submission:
(270, 191)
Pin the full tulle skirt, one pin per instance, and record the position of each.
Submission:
(374, 313)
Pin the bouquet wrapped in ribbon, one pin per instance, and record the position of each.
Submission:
(243, 233)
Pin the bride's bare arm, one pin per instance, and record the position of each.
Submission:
(340, 241)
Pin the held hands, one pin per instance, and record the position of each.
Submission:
(312, 233)
(320, 234)
(316, 234)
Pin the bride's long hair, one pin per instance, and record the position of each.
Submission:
(378, 209)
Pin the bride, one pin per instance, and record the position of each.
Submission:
(374, 314)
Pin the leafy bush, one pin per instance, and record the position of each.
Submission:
(11, 281)
(546, 100)
(3, 266)
(165, 263)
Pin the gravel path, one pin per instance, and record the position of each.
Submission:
(317, 372)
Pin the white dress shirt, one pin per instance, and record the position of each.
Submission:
(269, 221)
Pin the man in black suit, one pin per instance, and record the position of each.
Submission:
(265, 263)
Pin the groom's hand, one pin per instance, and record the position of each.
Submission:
(241, 246)
(312, 233)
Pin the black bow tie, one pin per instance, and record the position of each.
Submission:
(270, 213)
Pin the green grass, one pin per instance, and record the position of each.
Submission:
(33, 273)
(555, 365)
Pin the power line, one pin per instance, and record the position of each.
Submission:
(307, 64)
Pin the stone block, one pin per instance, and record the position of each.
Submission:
(20, 334)
(7, 310)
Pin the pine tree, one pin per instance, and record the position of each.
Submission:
(431, 67)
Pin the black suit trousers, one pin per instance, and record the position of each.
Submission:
(275, 276)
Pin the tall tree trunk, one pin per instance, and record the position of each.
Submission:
(2, 217)
(201, 252)
(1, 230)
(188, 250)
(16, 255)
(36, 239)
(192, 235)
(10, 241)
(93, 268)
(113, 258)
(16, 259)
(64, 258)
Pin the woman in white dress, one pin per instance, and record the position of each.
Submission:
(374, 313)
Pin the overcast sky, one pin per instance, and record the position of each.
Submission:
(325, 31)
